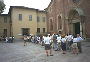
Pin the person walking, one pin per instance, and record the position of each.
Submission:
(6, 40)
(25, 40)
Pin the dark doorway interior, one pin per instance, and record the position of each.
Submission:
(77, 28)
(25, 31)
(5, 32)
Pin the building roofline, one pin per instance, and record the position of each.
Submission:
(23, 7)
(49, 4)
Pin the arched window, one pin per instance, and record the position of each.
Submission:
(75, 1)
(51, 25)
(59, 22)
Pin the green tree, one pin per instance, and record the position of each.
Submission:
(2, 6)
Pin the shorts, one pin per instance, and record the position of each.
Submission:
(74, 45)
(25, 40)
(47, 47)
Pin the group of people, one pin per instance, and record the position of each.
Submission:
(34, 39)
(57, 42)
(7, 39)
(64, 43)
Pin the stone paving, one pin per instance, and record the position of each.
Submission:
(16, 52)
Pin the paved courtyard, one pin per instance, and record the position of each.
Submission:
(16, 52)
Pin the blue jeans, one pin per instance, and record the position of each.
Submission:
(55, 45)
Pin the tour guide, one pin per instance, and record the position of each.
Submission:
(47, 45)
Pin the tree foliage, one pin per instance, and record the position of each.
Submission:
(2, 7)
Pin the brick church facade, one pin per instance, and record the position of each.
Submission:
(69, 16)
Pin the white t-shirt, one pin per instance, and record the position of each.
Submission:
(59, 39)
(47, 40)
(25, 38)
(79, 39)
(75, 40)
(69, 37)
(63, 40)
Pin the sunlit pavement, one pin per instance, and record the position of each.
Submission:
(16, 52)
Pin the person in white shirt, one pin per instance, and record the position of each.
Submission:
(25, 40)
(28, 38)
(6, 39)
(69, 39)
(59, 42)
(47, 45)
(63, 43)
(74, 46)
(58, 38)
(55, 45)
(79, 39)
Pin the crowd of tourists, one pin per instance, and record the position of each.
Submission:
(7, 39)
(57, 42)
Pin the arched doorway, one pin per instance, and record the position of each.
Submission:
(76, 27)
(75, 22)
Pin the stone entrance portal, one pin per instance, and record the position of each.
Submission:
(75, 22)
